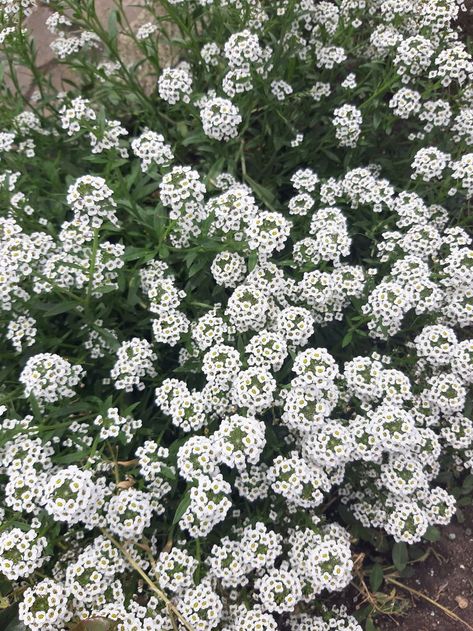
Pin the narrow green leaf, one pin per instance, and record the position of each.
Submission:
(252, 260)
(263, 193)
(104, 289)
(61, 307)
(369, 625)
(113, 23)
(376, 577)
(400, 555)
(347, 339)
(183, 506)
(74, 457)
(168, 473)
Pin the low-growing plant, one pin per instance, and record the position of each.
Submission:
(236, 290)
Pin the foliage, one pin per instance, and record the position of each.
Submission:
(236, 297)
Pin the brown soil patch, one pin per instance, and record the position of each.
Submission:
(447, 578)
(465, 19)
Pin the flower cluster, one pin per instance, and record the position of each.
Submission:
(49, 377)
(220, 118)
(151, 148)
(236, 290)
(134, 361)
(21, 553)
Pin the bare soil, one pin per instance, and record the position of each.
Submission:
(446, 577)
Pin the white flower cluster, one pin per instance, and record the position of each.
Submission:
(73, 116)
(174, 570)
(151, 148)
(347, 122)
(135, 360)
(228, 269)
(208, 506)
(89, 197)
(45, 606)
(429, 163)
(64, 47)
(175, 84)
(220, 118)
(182, 192)
(49, 377)
(104, 135)
(112, 425)
(129, 513)
(164, 297)
(72, 495)
(239, 440)
(244, 55)
(21, 331)
(230, 302)
(21, 553)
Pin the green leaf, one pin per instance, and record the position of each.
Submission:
(369, 625)
(215, 169)
(143, 191)
(197, 138)
(331, 155)
(252, 260)
(467, 486)
(347, 339)
(198, 265)
(168, 473)
(133, 175)
(9, 619)
(182, 129)
(112, 23)
(376, 577)
(74, 457)
(163, 251)
(108, 337)
(104, 289)
(65, 410)
(51, 309)
(183, 506)
(400, 555)
(133, 254)
(263, 193)
(432, 534)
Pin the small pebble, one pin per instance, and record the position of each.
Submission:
(452, 536)
(462, 602)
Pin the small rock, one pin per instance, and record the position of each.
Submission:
(452, 536)
(462, 602)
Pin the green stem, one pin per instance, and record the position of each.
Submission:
(93, 261)
(169, 604)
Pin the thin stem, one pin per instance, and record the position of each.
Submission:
(93, 261)
(172, 619)
(169, 604)
(115, 463)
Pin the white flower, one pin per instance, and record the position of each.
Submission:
(220, 119)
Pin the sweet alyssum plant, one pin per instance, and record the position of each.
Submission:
(235, 305)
